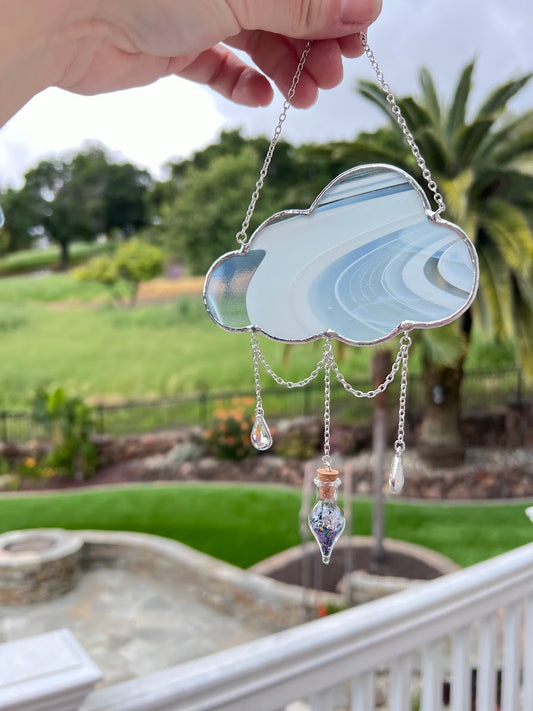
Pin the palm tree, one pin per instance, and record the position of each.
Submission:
(483, 165)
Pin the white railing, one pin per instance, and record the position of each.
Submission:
(409, 648)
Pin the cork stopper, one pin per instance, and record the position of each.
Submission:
(326, 478)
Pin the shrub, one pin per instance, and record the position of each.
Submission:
(69, 423)
(229, 434)
(295, 445)
(134, 261)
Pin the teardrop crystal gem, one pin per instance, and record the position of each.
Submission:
(396, 477)
(260, 434)
(326, 522)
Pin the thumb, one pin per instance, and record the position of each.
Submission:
(306, 19)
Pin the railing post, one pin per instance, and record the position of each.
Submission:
(461, 672)
(322, 701)
(511, 657)
(363, 692)
(400, 684)
(486, 673)
(432, 677)
(527, 672)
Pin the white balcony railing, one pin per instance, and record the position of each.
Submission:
(476, 624)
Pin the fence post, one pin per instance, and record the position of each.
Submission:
(519, 388)
(202, 409)
(101, 423)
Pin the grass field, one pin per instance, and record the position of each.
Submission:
(31, 260)
(58, 332)
(245, 524)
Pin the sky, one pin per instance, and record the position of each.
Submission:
(173, 118)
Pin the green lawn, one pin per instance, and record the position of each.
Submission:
(56, 331)
(101, 351)
(244, 525)
(29, 260)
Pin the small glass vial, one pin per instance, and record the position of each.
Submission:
(326, 519)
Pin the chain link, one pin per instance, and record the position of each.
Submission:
(328, 362)
(257, 379)
(241, 236)
(258, 355)
(405, 343)
(395, 109)
(384, 385)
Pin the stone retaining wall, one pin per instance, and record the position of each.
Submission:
(256, 600)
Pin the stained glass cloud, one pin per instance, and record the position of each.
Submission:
(367, 260)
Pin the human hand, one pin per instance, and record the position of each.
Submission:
(90, 47)
(137, 41)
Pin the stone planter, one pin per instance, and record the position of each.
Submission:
(38, 564)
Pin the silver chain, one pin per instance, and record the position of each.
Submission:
(395, 109)
(399, 445)
(241, 236)
(257, 379)
(260, 358)
(405, 342)
(328, 362)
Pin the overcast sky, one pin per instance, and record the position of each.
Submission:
(173, 117)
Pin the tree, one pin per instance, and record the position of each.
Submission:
(134, 262)
(201, 222)
(77, 199)
(482, 164)
(22, 214)
(213, 190)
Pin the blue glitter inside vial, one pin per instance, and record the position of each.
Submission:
(326, 519)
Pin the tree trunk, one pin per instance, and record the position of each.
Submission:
(379, 437)
(380, 366)
(64, 258)
(440, 442)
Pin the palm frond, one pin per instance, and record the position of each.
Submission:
(511, 151)
(493, 295)
(510, 232)
(370, 91)
(457, 111)
(499, 98)
(470, 141)
(511, 131)
(429, 94)
(416, 115)
(522, 307)
(367, 151)
(444, 346)
(456, 193)
(433, 149)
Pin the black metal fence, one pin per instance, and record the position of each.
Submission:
(482, 391)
